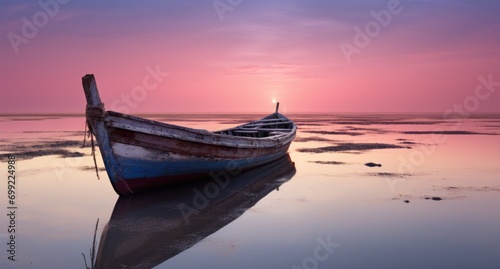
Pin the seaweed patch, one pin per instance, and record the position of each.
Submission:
(448, 132)
(27, 150)
(314, 138)
(327, 162)
(334, 133)
(351, 147)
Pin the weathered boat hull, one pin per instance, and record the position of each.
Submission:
(147, 167)
(141, 154)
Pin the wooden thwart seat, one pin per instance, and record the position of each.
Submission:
(273, 130)
(241, 131)
(265, 124)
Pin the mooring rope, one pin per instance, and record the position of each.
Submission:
(93, 112)
(85, 134)
(92, 145)
(93, 154)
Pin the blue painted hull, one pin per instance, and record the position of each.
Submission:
(133, 168)
(138, 175)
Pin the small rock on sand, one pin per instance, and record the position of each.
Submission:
(406, 201)
(370, 164)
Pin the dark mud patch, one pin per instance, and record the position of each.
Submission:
(92, 168)
(351, 147)
(408, 143)
(335, 133)
(448, 133)
(33, 119)
(409, 198)
(309, 139)
(371, 130)
(55, 132)
(387, 174)
(63, 153)
(434, 198)
(311, 124)
(372, 164)
(328, 162)
(29, 150)
(371, 122)
(57, 144)
(470, 189)
(405, 141)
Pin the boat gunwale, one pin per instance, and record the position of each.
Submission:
(274, 140)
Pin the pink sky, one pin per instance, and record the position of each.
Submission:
(427, 58)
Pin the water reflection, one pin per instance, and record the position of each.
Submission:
(149, 228)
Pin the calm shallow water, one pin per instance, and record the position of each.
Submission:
(324, 210)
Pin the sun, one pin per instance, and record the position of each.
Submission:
(274, 100)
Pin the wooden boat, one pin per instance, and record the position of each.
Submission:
(142, 154)
(146, 229)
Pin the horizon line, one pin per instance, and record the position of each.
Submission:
(248, 113)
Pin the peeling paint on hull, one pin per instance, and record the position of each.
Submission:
(140, 174)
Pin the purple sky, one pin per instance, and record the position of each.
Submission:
(312, 56)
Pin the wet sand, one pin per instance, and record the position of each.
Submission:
(432, 202)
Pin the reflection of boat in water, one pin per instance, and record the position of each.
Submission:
(149, 228)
